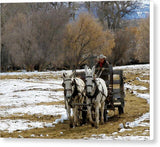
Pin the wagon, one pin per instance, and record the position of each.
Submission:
(116, 94)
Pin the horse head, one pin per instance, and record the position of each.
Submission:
(90, 80)
(68, 84)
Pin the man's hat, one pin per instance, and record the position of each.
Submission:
(102, 56)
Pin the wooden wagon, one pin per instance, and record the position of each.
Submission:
(116, 94)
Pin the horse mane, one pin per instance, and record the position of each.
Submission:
(100, 84)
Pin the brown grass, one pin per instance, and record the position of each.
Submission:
(33, 76)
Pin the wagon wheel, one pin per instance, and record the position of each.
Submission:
(105, 115)
(120, 110)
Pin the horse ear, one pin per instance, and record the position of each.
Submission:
(86, 67)
(64, 75)
(93, 70)
(73, 73)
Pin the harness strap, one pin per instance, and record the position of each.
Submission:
(75, 93)
(97, 91)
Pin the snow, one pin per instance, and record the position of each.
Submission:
(134, 87)
(145, 81)
(18, 124)
(35, 109)
(139, 121)
(125, 138)
(21, 92)
(123, 130)
(63, 117)
(143, 95)
(133, 67)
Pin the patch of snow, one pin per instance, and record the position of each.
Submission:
(63, 117)
(114, 133)
(33, 135)
(129, 138)
(143, 95)
(123, 130)
(145, 81)
(121, 126)
(35, 109)
(132, 67)
(19, 92)
(10, 126)
(49, 125)
(134, 87)
(139, 121)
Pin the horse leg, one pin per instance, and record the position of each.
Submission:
(81, 111)
(102, 112)
(89, 113)
(68, 108)
(97, 114)
(69, 116)
(75, 116)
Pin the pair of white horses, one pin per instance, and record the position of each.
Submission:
(93, 91)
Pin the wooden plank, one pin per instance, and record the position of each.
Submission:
(117, 95)
(116, 81)
(116, 91)
(117, 72)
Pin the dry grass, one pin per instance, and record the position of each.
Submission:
(33, 76)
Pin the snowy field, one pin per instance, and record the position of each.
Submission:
(35, 96)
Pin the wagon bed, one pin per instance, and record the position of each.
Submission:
(115, 88)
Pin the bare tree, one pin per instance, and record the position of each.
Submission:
(48, 29)
(143, 42)
(8, 12)
(83, 38)
(112, 12)
(35, 39)
(123, 47)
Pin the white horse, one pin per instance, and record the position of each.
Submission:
(73, 93)
(96, 92)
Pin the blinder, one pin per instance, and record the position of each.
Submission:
(68, 89)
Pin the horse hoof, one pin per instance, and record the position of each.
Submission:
(71, 125)
(76, 125)
(96, 127)
(102, 123)
(92, 124)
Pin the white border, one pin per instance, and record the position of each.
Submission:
(151, 73)
(151, 68)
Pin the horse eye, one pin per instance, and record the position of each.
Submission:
(63, 84)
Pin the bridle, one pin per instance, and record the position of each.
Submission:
(91, 85)
(69, 89)
(86, 81)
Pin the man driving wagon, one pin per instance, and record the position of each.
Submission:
(101, 67)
